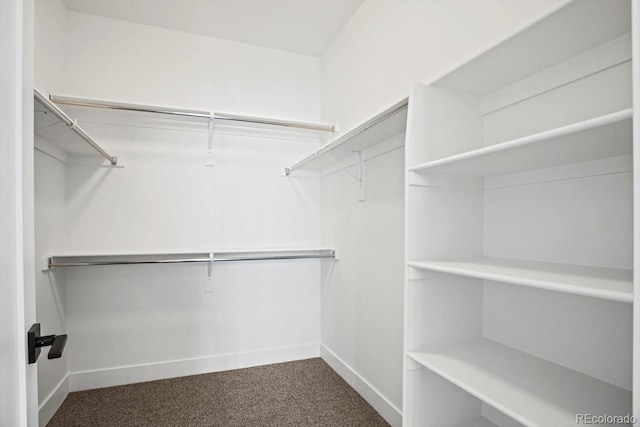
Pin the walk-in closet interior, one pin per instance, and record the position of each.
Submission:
(430, 202)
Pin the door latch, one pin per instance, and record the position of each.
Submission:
(35, 341)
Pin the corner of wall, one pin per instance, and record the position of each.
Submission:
(386, 409)
(53, 401)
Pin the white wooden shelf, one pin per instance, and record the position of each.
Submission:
(600, 137)
(55, 126)
(530, 390)
(50, 128)
(606, 283)
(379, 128)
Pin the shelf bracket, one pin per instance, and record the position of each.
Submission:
(210, 131)
(362, 178)
(208, 284)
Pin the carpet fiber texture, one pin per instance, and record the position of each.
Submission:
(301, 393)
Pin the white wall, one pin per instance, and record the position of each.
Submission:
(136, 323)
(111, 59)
(50, 227)
(369, 66)
(165, 199)
(50, 216)
(50, 40)
(362, 294)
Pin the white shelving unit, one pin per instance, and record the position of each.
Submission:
(519, 294)
(606, 283)
(592, 139)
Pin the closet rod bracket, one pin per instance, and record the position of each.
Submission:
(362, 178)
(208, 284)
(210, 132)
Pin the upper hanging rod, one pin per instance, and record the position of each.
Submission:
(64, 118)
(199, 114)
(336, 143)
(90, 260)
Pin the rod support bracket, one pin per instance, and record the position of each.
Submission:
(208, 284)
(362, 178)
(210, 131)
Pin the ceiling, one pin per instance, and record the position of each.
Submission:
(300, 26)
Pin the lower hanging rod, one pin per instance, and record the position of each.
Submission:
(83, 261)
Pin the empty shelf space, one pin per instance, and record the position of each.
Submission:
(601, 137)
(531, 390)
(606, 283)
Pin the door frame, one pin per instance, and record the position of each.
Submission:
(18, 379)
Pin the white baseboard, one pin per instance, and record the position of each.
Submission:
(179, 368)
(381, 404)
(51, 403)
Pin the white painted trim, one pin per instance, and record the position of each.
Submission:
(635, 25)
(18, 385)
(377, 400)
(120, 375)
(52, 402)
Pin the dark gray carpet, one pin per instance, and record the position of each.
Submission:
(301, 393)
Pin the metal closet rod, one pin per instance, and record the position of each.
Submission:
(199, 114)
(77, 261)
(64, 118)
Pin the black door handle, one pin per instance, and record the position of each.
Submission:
(35, 341)
(58, 346)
